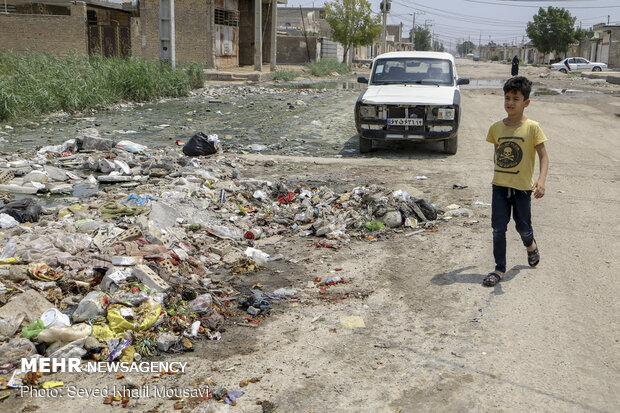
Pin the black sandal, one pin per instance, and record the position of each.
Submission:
(492, 279)
(533, 257)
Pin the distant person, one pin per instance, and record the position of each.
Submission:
(517, 139)
(567, 65)
(514, 71)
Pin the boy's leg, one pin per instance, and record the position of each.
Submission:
(500, 216)
(522, 214)
(523, 222)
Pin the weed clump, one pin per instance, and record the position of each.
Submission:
(284, 75)
(325, 67)
(33, 84)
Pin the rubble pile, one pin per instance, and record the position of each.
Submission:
(108, 246)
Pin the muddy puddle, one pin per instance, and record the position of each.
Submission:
(321, 85)
(297, 121)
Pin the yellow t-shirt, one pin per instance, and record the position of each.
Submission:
(516, 154)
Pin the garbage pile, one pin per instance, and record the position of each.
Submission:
(108, 246)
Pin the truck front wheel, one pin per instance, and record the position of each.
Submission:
(365, 145)
(450, 145)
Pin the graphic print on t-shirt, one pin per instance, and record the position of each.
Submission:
(509, 154)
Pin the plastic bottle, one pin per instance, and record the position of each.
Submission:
(258, 256)
(254, 233)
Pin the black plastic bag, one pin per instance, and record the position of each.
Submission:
(427, 208)
(201, 144)
(23, 210)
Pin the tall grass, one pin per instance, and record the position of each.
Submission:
(285, 75)
(32, 84)
(325, 67)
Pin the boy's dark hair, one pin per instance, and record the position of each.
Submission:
(518, 84)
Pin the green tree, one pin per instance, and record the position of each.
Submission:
(353, 23)
(583, 34)
(422, 40)
(438, 46)
(552, 30)
(466, 47)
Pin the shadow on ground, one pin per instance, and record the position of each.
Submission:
(394, 150)
(462, 275)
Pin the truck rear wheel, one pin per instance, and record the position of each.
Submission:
(450, 145)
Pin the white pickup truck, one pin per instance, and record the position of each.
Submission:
(410, 96)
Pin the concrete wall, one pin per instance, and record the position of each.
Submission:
(292, 50)
(45, 33)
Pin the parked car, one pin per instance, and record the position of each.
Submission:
(476, 58)
(578, 64)
(411, 96)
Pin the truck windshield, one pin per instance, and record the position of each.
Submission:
(413, 70)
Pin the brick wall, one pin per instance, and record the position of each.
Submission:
(45, 33)
(191, 30)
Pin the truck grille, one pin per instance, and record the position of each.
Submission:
(401, 112)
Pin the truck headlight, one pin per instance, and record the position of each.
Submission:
(445, 114)
(368, 111)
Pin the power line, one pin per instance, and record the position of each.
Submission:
(462, 17)
(505, 4)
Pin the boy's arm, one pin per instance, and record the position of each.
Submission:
(539, 186)
(495, 151)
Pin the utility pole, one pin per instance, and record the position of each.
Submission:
(385, 7)
(479, 43)
(413, 32)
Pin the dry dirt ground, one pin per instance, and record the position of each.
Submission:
(435, 339)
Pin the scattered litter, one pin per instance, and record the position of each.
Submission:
(353, 321)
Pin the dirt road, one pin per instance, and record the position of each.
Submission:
(435, 340)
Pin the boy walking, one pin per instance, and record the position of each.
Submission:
(517, 139)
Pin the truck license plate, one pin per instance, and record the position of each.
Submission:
(404, 122)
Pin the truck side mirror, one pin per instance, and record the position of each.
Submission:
(462, 81)
(362, 79)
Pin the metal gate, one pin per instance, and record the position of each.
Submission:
(605, 47)
(226, 22)
(331, 50)
(109, 41)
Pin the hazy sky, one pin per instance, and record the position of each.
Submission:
(503, 20)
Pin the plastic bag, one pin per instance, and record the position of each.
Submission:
(65, 334)
(91, 306)
(201, 304)
(130, 146)
(33, 329)
(23, 210)
(73, 243)
(200, 145)
(7, 221)
(15, 350)
(374, 225)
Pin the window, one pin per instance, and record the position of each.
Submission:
(227, 17)
(91, 17)
(413, 70)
